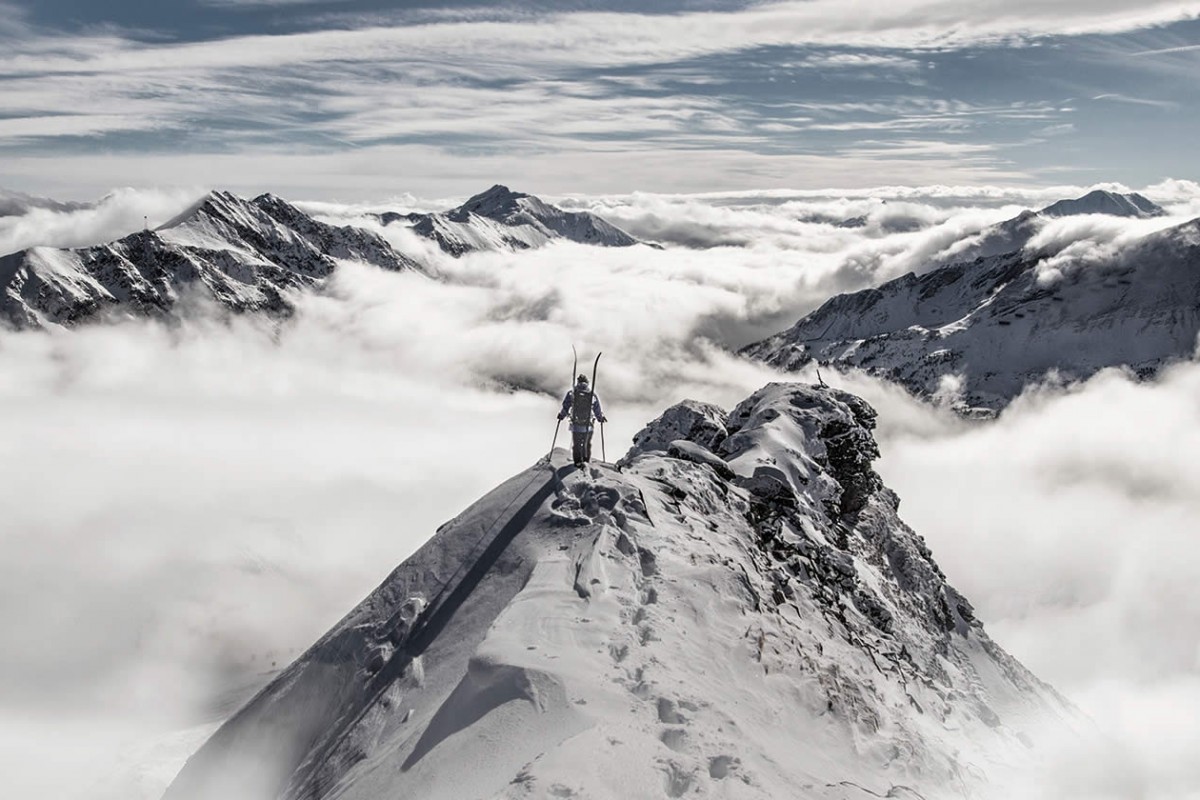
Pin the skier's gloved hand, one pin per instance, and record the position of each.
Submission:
(604, 419)
(561, 417)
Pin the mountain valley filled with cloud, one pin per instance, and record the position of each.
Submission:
(887, 320)
(219, 488)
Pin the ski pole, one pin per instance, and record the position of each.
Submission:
(557, 425)
(603, 455)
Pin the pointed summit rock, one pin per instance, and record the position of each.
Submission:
(498, 202)
(741, 613)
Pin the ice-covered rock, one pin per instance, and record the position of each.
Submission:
(247, 255)
(746, 618)
(702, 423)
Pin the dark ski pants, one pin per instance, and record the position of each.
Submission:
(581, 446)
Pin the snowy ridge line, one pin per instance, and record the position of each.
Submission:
(246, 255)
(268, 740)
(435, 616)
(976, 334)
(439, 612)
(501, 219)
(737, 612)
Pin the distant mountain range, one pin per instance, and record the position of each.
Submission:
(249, 255)
(501, 219)
(17, 203)
(978, 332)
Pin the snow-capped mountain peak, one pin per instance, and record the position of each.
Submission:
(740, 613)
(248, 255)
(498, 202)
(503, 219)
(1100, 201)
(976, 334)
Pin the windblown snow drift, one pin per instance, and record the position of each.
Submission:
(736, 611)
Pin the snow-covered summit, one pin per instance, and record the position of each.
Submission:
(977, 334)
(736, 614)
(502, 219)
(501, 203)
(1017, 232)
(246, 254)
(1104, 202)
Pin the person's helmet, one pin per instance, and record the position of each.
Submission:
(582, 379)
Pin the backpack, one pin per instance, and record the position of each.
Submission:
(581, 407)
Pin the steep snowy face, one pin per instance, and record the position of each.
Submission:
(501, 219)
(246, 255)
(976, 334)
(737, 612)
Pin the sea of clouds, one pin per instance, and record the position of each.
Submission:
(188, 507)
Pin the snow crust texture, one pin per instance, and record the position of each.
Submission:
(976, 333)
(247, 255)
(736, 613)
(502, 219)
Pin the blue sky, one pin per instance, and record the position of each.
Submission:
(357, 99)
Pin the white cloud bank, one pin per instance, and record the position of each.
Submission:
(191, 505)
(1071, 523)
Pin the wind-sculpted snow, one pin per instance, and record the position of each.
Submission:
(738, 615)
(501, 219)
(246, 255)
(977, 334)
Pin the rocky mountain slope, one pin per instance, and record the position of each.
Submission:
(501, 219)
(978, 333)
(247, 255)
(737, 611)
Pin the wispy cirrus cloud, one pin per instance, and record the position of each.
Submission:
(796, 81)
(1188, 48)
(1138, 101)
(519, 41)
(247, 4)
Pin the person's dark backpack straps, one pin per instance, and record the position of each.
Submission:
(581, 406)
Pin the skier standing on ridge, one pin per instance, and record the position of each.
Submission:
(581, 404)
